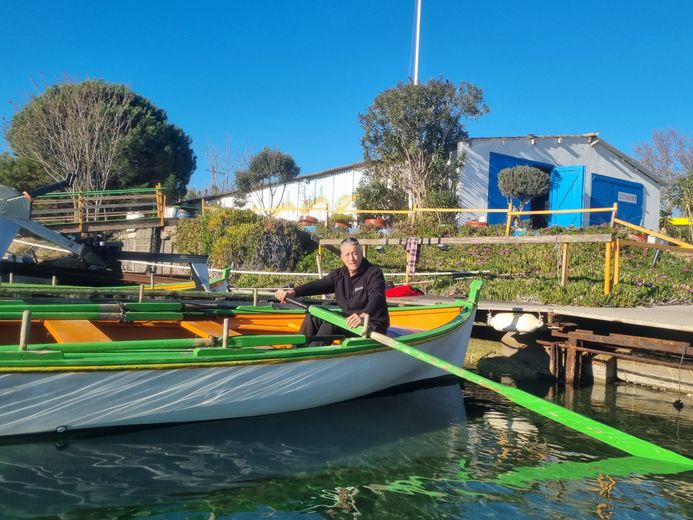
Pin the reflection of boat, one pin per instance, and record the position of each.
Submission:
(114, 364)
(233, 465)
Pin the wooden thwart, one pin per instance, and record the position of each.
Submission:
(74, 331)
(206, 328)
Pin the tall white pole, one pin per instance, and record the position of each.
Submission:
(416, 44)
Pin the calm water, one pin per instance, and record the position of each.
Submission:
(445, 451)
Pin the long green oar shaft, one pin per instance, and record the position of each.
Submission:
(611, 436)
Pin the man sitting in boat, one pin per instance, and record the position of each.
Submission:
(359, 288)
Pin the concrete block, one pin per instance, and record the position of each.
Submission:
(656, 376)
(604, 368)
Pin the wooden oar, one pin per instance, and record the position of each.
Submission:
(297, 303)
(611, 436)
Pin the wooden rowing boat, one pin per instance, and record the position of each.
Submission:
(94, 365)
(217, 284)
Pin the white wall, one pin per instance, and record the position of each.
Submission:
(317, 194)
(570, 151)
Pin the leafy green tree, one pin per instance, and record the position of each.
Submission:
(21, 174)
(154, 151)
(373, 193)
(267, 175)
(106, 134)
(411, 131)
(523, 182)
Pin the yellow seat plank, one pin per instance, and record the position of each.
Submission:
(206, 328)
(74, 331)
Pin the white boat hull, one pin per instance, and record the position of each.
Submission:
(36, 402)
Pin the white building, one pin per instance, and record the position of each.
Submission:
(311, 194)
(586, 172)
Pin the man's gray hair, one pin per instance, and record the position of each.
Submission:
(350, 241)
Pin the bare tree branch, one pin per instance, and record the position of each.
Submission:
(669, 155)
(74, 128)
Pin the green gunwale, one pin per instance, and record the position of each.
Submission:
(200, 352)
(159, 288)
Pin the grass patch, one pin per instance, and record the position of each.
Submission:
(523, 273)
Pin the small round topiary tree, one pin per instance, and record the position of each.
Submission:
(524, 183)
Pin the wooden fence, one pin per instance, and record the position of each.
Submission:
(611, 253)
(89, 207)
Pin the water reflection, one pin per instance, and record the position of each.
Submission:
(350, 441)
(424, 452)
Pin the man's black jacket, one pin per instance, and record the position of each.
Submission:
(363, 292)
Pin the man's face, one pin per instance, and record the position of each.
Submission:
(351, 256)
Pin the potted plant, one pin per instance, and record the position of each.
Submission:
(523, 183)
(307, 220)
(376, 222)
(477, 223)
(341, 220)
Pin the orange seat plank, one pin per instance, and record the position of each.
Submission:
(206, 328)
(74, 331)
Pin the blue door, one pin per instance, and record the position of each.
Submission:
(628, 195)
(567, 187)
(496, 200)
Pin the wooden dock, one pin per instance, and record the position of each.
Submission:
(670, 317)
(644, 345)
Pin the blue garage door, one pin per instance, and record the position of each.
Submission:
(567, 187)
(496, 199)
(628, 195)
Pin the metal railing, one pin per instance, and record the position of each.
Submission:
(611, 253)
(510, 212)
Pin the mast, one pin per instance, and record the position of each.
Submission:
(416, 44)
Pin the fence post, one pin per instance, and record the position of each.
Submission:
(318, 261)
(157, 197)
(163, 207)
(617, 261)
(406, 269)
(508, 219)
(564, 264)
(80, 212)
(614, 211)
(607, 268)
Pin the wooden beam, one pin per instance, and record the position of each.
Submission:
(74, 331)
(564, 264)
(661, 247)
(206, 328)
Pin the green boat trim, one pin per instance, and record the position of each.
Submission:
(201, 352)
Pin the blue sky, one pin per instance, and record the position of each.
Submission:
(295, 75)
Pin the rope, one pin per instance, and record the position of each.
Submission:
(678, 404)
